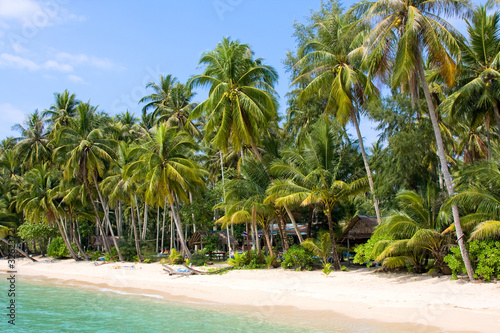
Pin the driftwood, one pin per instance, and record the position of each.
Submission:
(172, 271)
(18, 250)
(198, 272)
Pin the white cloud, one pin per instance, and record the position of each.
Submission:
(52, 64)
(14, 61)
(83, 59)
(76, 78)
(18, 9)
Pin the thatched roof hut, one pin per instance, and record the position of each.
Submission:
(359, 230)
(97, 240)
(198, 236)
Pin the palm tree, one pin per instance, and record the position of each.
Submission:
(329, 62)
(244, 199)
(478, 192)
(479, 79)
(160, 161)
(62, 110)
(241, 100)
(405, 30)
(311, 176)
(37, 199)
(417, 224)
(83, 150)
(33, 145)
(120, 188)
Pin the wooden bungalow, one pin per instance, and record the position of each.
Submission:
(97, 240)
(198, 236)
(358, 231)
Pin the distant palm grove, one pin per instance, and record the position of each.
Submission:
(148, 182)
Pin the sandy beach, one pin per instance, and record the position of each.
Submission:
(411, 303)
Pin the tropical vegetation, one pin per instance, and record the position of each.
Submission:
(281, 187)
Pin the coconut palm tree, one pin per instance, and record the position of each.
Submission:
(241, 99)
(63, 109)
(404, 30)
(161, 163)
(417, 224)
(479, 80)
(38, 199)
(312, 176)
(244, 199)
(33, 146)
(478, 192)
(329, 62)
(84, 151)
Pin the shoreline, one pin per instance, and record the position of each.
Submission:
(389, 302)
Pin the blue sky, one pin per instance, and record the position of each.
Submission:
(106, 51)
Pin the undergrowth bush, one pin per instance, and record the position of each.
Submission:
(57, 248)
(484, 256)
(298, 257)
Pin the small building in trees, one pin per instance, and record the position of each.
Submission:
(358, 231)
(199, 236)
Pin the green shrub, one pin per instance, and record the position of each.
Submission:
(199, 259)
(484, 256)
(270, 261)
(57, 248)
(298, 257)
(327, 269)
(111, 256)
(95, 255)
(175, 257)
(368, 251)
(239, 260)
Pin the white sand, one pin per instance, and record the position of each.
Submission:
(361, 294)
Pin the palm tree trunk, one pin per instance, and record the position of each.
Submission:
(145, 223)
(138, 215)
(367, 167)
(163, 225)
(64, 235)
(157, 226)
(444, 167)
(256, 232)
(335, 256)
(97, 219)
(136, 236)
(265, 231)
(282, 228)
(77, 240)
(105, 208)
(177, 220)
(292, 219)
(119, 224)
(249, 254)
(256, 151)
(309, 221)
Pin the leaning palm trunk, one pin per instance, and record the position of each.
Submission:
(64, 235)
(292, 219)
(265, 231)
(255, 231)
(105, 208)
(335, 256)
(367, 168)
(177, 221)
(77, 240)
(136, 236)
(444, 167)
(98, 220)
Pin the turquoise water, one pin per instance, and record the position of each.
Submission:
(42, 307)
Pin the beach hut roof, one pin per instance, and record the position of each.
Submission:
(360, 227)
